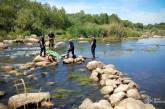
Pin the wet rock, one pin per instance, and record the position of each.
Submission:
(20, 100)
(2, 93)
(86, 104)
(3, 46)
(94, 76)
(121, 88)
(50, 83)
(6, 68)
(130, 103)
(106, 90)
(116, 97)
(94, 64)
(133, 93)
(32, 77)
(59, 45)
(2, 106)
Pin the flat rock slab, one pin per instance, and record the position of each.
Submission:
(20, 100)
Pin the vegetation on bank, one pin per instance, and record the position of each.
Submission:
(25, 17)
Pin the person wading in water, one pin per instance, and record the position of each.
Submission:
(93, 46)
(71, 49)
(42, 46)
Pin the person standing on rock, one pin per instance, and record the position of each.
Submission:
(51, 37)
(42, 46)
(93, 46)
(71, 49)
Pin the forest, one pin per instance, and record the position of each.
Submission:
(25, 17)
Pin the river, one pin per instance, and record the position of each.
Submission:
(142, 59)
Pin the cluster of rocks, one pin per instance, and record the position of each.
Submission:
(77, 60)
(119, 91)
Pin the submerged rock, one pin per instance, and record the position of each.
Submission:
(20, 100)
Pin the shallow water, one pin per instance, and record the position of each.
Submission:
(143, 60)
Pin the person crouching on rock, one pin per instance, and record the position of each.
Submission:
(93, 46)
(71, 49)
(42, 46)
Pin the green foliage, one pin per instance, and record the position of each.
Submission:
(25, 17)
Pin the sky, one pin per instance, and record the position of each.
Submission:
(143, 11)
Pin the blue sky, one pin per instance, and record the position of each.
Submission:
(144, 11)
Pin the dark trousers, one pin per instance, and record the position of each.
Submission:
(93, 51)
(72, 51)
(43, 49)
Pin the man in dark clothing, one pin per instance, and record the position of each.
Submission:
(42, 46)
(71, 49)
(51, 37)
(93, 47)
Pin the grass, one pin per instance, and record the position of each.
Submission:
(79, 77)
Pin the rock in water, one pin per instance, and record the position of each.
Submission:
(59, 45)
(133, 93)
(116, 97)
(106, 89)
(86, 104)
(130, 103)
(121, 88)
(94, 64)
(68, 61)
(20, 100)
(31, 40)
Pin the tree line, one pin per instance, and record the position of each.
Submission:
(25, 17)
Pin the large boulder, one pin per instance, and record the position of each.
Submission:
(94, 64)
(107, 90)
(6, 68)
(20, 100)
(60, 45)
(110, 82)
(3, 46)
(133, 93)
(116, 97)
(121, 88)
(86, 104)
(130, 103)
